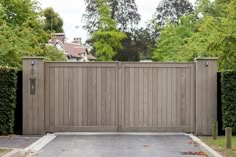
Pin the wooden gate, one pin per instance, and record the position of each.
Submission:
(157, 97)
(119, 96)
(81, 97)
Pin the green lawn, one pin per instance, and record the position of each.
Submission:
(4, 151)
(219, 145)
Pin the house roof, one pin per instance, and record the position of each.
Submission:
(74, 49)
(91, 57)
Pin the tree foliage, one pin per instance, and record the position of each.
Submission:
(171, 11)
(123, 11)
(211, 35)
(107, 39)
(53, 22)
(21, 32)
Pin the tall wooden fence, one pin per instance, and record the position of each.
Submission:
(119, 96)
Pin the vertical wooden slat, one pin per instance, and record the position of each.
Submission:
(47, 96)
(57, 84)
(160, 86)
(120, 127)
(131, 103)
(71, 96)
(141, 108)
(104, 95)
(122, 96)
(150, 96)
(89, 96)
(52, 99)
(61, 96)
(188, 96)
(85, 93)
(145, 97)
(113, 97)
(182, 97)
(164, 98)
(173, 96)
(178, 96)
(94, 96)
(156, 96)
(108, 97)
(80, 96)
(127, 96)
(75, 97)
(66, 106)
(136, 95)
(99, 96)
(168, 97)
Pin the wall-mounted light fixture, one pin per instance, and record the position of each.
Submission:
(207, 63)
(32, 79)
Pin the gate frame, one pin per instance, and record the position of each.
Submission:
(205, 98)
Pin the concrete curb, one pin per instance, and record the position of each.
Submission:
(210, 152)
(38, 145)
(13, 153)
(118, 133)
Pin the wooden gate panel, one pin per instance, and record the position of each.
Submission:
(158, 97)
(80, 97)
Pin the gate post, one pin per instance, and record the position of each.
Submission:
(33, 95)
(206, 95)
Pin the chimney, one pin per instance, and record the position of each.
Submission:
(59, 36)
(77, 41)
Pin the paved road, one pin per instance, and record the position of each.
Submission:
(118, 146)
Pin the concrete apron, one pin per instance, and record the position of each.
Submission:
(42, 142)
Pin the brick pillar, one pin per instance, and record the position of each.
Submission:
(206, 94)
(33, 95)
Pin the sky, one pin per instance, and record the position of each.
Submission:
(71, 12)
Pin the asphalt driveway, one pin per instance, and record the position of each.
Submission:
(119, 146)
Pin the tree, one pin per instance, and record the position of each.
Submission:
(171, 11)
(17, 12)
(137, 46)
(123, 11)
(107, 39)
(172, 38)
(53, 54)
(21, 32)
(53, 22)
(212, 35)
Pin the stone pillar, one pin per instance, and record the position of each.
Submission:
(206, 95)
(33, 95)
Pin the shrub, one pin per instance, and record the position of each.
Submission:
(7, 99)
(228, 89)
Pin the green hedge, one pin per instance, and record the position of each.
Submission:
(228, 89)
(7, 99)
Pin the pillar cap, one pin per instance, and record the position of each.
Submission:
(206, 58)
(34, 57)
